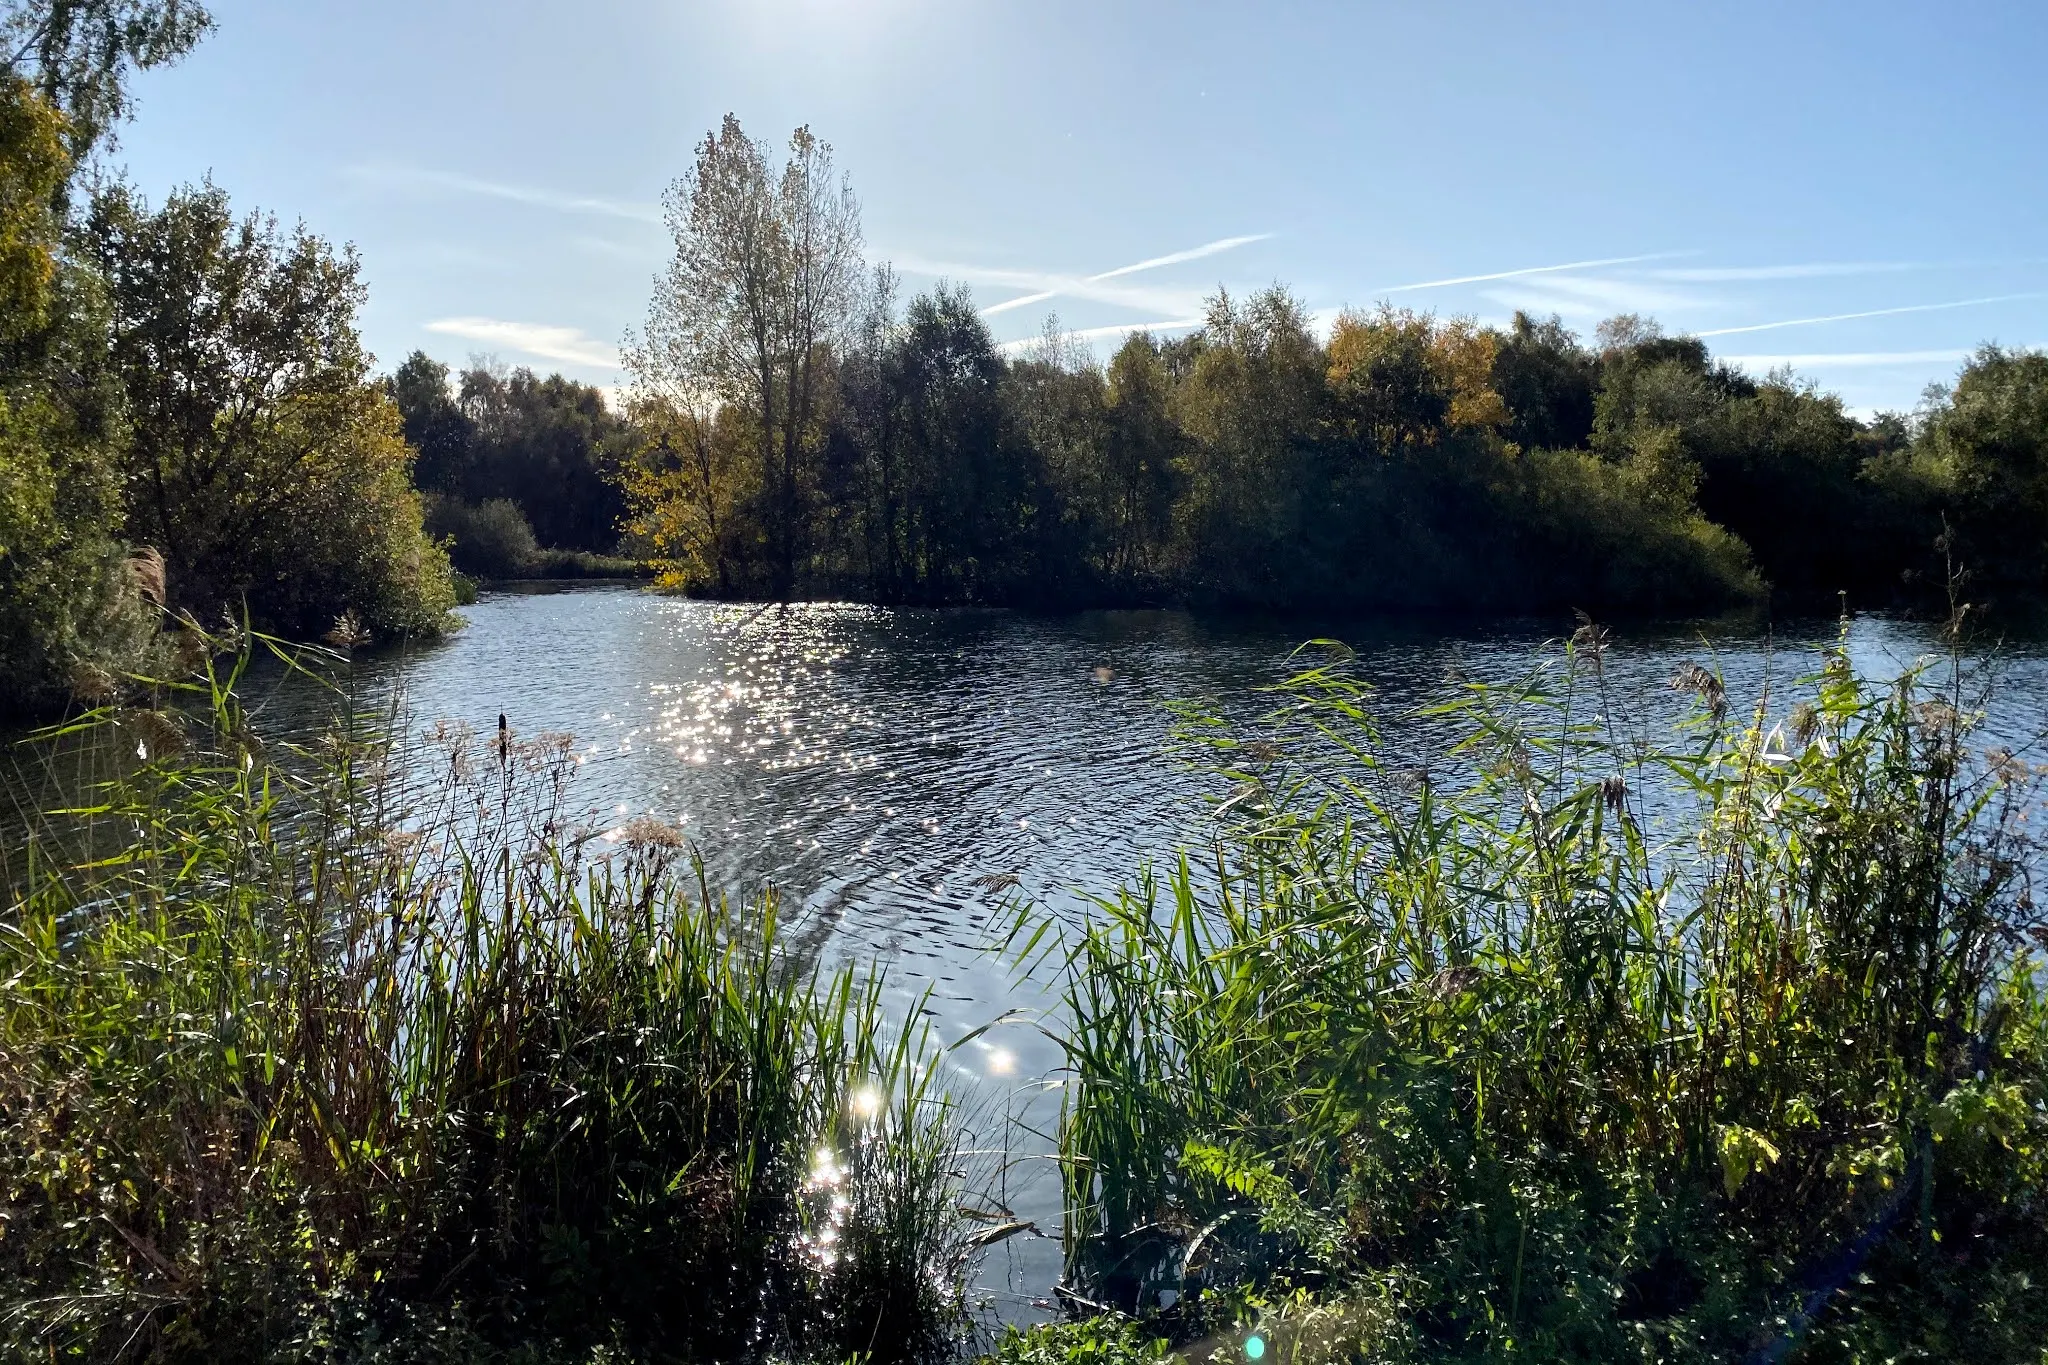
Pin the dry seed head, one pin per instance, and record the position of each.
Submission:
(146, 574)
(349, 632)
(157, 731)
(1704, 685)
(93, 684)
(1614, 791)
(1805, 723)
(1454, 981)
(1590, 636)
(1938, 720)
(1261, 751)
(649, 832)
(2006, 767)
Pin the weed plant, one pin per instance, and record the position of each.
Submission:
(293, 1069)
(1579, 1042)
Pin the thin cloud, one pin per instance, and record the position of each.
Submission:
(1121, 329)
(604, 246)
(1872, 313)
(1093, 288)
(1829, 269)
(1171, 302)
(1595, 296)
(1530, 270)
(516, 194)
(1193, 253)
(1846, 360)
(564, 345)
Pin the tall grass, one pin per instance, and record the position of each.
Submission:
(1577, 1041)
(295, 1066)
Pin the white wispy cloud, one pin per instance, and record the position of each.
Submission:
(1171, 302)
(1120, 330)
(1873, 313)
(1193, 253)
(564, 345)
(1846, 360)
(1590, 296)
(1044, 286)
(559, 201)
(1529, 270)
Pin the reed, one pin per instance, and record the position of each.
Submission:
(296, 1064)
(1578, 1038)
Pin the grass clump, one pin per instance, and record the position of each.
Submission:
(1566, 1045)
(1107, 1339)
(293, 1069)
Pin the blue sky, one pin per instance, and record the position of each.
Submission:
(1858, 189)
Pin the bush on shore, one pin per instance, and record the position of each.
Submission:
(492, 539)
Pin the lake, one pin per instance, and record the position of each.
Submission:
(881, 766)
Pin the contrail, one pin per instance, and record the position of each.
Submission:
(518, 194)
(1871, 313)
(1533, 270)
(1193, 253)
(1845, 359)
(1119, 329)
(1064, 286)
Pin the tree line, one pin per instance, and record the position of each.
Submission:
(802, 433)
(522, 475)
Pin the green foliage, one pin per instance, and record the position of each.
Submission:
(1408, 462)
(79, 54)
(260, 459)
(67, 603)
(1575, 1043)
(1548, 382)
(1986, 450)
(1104, 1340)
(292, 1070)
(946, 489)
(490, 541)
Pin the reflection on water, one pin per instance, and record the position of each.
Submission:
(900, 772)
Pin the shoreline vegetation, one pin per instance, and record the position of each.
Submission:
(804, 433)
(1580, 1041)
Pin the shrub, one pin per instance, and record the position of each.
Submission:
(491, 540)
(260, 458)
